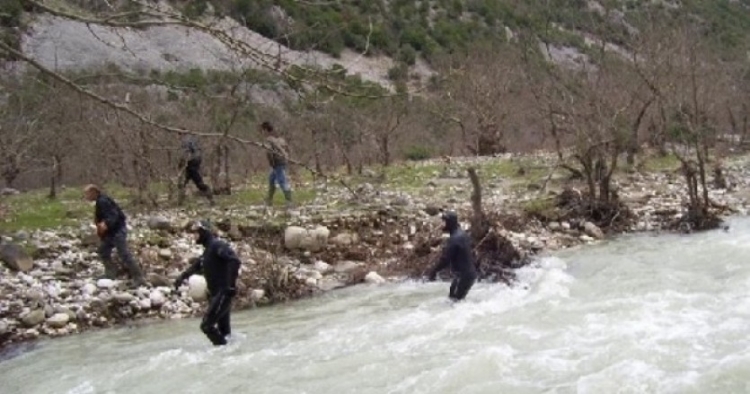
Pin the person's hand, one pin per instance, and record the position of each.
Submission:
(178, 282)
(101, 229)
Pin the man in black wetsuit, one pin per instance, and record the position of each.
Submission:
(457, 253)
(112, 229)
(191, 163)
(220, 266)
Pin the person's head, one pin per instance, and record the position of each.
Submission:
(266, 127)
(91, 192)
(450, 219)
(201, 230)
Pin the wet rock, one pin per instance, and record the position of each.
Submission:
(15, 257)
(593, 230)
(157, 280)
(257, 294)
(322, 267)
(312, 282)
(329, 284)
(58, 320)
(144, 303)
(373, 278)
(346, 267)
(33, 318)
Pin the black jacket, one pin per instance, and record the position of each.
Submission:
(110, 213)
(458, 254)
(219, 265)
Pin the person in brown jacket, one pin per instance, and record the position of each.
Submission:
(277, 153)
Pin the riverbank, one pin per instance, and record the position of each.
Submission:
(328, 243)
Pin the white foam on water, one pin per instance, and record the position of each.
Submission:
(645, 314)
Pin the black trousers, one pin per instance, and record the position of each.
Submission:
(193, 173)
(460, 287)
(215, 322)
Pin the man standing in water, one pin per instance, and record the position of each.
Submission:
(277, 154)
(191, 163)
(457, 253)
(112, 229)
(220, 266)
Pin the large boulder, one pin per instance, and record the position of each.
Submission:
(314, 240)
(15, 257)
(197, 288)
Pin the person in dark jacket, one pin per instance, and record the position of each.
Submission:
(458, 254)
(191, 163)
(277, 153)
(220, 266)
(112, 229)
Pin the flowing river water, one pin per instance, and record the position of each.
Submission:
(642, 314)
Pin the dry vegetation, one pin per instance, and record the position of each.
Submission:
(671, 90)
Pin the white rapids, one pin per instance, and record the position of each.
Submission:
(643, 314)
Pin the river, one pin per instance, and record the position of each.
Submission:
(642, 314)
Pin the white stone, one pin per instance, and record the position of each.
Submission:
(322, 267)
(88, 289)
(197, 288)
(257, 294)
(157, 298)
(58, 320)
(105, 283)
(374, 278)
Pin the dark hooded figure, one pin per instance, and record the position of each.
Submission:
(220, 266)
(191, 162)
(458, 255)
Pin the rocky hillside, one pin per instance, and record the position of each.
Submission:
(381, 40)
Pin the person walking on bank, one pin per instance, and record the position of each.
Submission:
(220, 266)
(191, 164)
(278, 154)
(112, 229)
(457, 253)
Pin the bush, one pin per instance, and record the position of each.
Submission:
(418, 153)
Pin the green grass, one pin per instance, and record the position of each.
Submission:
(410, 176)
(656, 163)
(34, 211)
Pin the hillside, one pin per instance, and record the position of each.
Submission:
(482, 78)
(380, 40)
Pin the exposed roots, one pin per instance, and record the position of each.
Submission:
(697, 219)
(575, 206)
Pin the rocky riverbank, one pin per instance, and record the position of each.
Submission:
(48, 285)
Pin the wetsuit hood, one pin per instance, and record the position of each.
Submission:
(203, 229)
(450, 219)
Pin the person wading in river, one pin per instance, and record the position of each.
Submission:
(457, 253)
(220, 266)
(112, 229)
